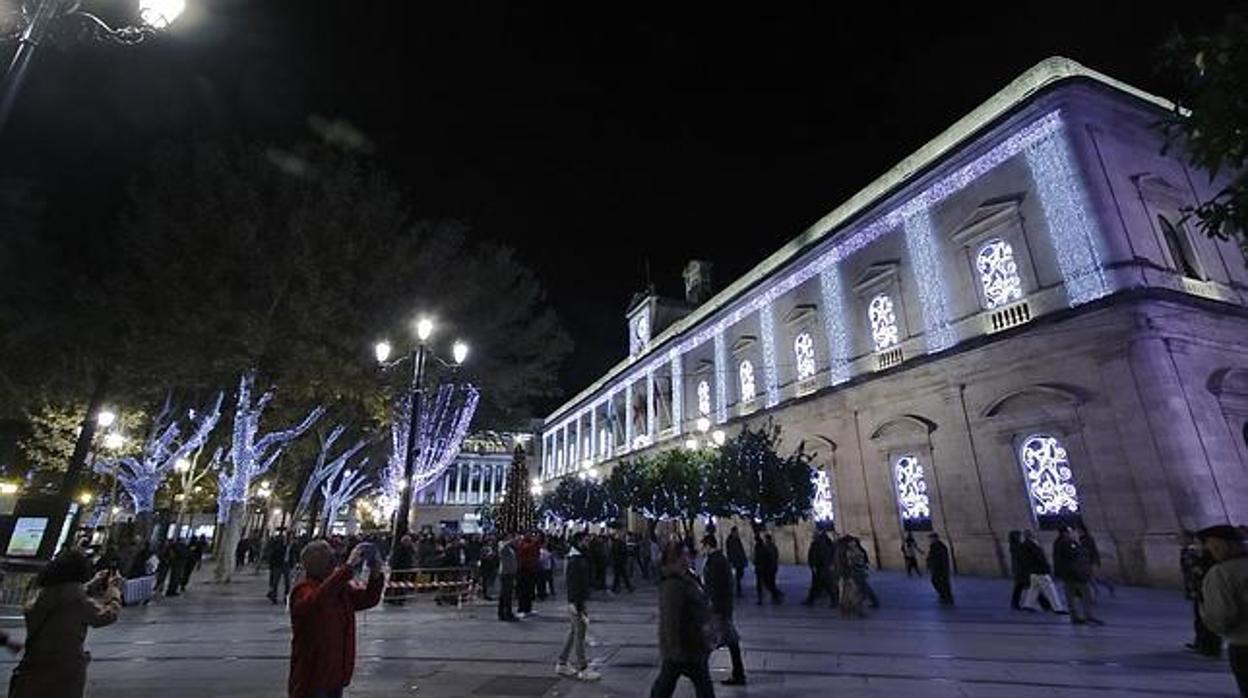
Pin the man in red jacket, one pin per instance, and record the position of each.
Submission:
(322, 616)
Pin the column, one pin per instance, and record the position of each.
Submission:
(493, 484)
(771, 373)
(835, 327)
(1073, 230)
(678, 392)
(459, 492)
(628, 417)
(486, 470)
(650, 416)
(446, 488)
(929, 279)
(595, 448)
(721, 379)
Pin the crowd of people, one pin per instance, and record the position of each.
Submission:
(339, 576)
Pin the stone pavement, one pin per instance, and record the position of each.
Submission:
(231, 642)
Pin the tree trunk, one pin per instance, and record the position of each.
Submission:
(229, 542)
(143, 525)
(86, 437)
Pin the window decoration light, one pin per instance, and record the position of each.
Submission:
(912, 497)
(929, 278)
(771, 379)
(822, 506)
(704, 399)
(804, 352)
(834, 324)
(745, 373)
(883, 322)
(998, 273)
(1050, 480)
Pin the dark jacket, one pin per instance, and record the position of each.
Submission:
(1032, 557)
(718, 580)
(736, 552)
(766, 557)
(1071, 561)
(683, 614)
(577, 579)
(938, 559)
(819, 555)
(54, 663)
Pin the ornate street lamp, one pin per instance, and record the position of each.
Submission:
(38, 20)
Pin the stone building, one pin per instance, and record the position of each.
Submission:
(477, 478)
(1013, 328)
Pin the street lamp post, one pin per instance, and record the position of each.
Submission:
(38, 18)
(418, 356)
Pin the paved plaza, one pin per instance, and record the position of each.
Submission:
(232, 642)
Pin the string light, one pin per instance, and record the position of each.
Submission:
(771, 381)
(444, 419)
(929, 278)
(834, 324)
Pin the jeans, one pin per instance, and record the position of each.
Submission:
(1206, 641)
(621, 575)
(526, 585)
(278, 573)
(670, 672)
(1042, 584)
(336, 693)
(505, 584)
(578, 622)
(739, 572)
(912, 565)
(940, 582)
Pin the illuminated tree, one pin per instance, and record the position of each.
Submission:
(750, 479)
(517, 513)
(326, 469)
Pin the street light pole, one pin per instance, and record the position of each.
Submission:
(401, 523)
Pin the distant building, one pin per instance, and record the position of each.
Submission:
(1013, 328)
(477, 477)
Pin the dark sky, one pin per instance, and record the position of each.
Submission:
(592, 136)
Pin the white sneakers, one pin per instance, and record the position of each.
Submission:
(585, 674)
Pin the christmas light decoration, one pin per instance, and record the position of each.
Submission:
(339, 490)
(821, 503)
(929, 279)
(916, 510)
(721, 385)
(883, 322)
(678, 391)
(771, 379)
(834, 324)
(327, 469)
(804, 353)
(140, 476)
(745, 373)
(1050, 481)
(704, 399)
(517, 513)
(998, 273)
(251, 457)
(445, 415)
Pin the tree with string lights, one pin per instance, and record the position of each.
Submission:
(517, 513)
(325, 469)
(749, 478)
(250, 457)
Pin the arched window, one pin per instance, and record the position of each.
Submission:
(1180, 248)
(1050, 481)
(804, 350)
(704, 399)
(998, 273)
(746, 373)
(883, 322)
(822, 509)
(912, 498)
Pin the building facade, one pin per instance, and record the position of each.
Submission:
(477, 478)
(1013, 328)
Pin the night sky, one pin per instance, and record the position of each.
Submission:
(593, 137)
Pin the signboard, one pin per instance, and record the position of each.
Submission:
(27, 535)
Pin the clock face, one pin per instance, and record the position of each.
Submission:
(642, 330)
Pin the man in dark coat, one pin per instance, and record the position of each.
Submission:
(577, 583)
(322, 617)
(736, 556)
(819, 558)
(277, 555)
(717, 579)
(766, 564)
(619, 564)
(938, 566)
(683, 615)
(1072, 565)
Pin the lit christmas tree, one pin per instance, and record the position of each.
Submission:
(517, 512)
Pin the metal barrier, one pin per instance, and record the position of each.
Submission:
(139, 590)
(448, 585)
(18, 588)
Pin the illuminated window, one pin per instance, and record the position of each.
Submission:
(998, 273)
(746, 373)
(883, 322)
(704, 399)
(804, 349)
(1050, 481)
(912, 498)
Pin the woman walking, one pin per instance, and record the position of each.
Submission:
(54, 664)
